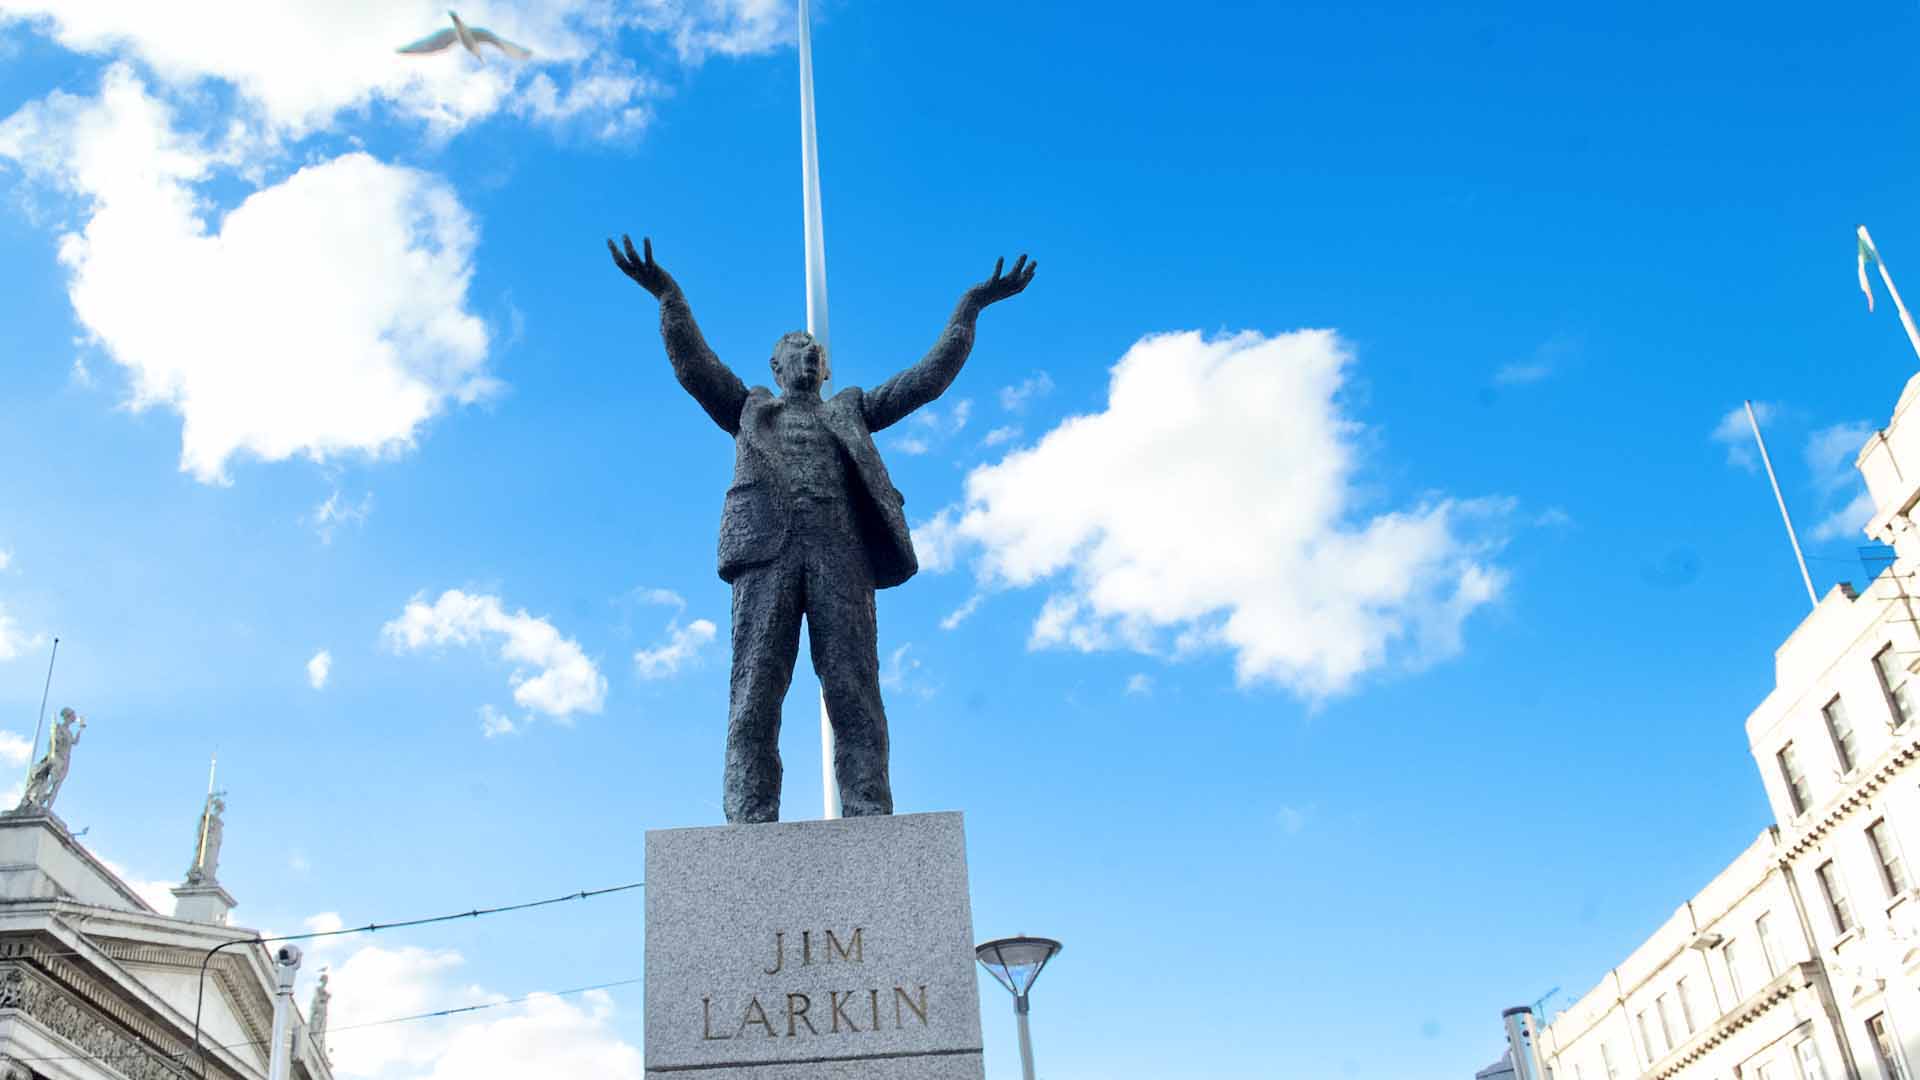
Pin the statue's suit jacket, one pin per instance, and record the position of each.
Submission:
(756, 522)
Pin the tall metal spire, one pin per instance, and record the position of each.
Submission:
(816, 251)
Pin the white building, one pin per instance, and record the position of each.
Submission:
(1801, 960)
(96, 985)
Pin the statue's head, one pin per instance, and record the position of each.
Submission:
(799, 363)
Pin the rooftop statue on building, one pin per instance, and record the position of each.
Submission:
(317, 1013)
(47, 774)
(206, 857)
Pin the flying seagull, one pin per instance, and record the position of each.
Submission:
(472, 37)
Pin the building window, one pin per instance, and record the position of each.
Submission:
(1686, 1005)
(1606, 1062)
(1893, 680)
(1662, 1009)
(1886, 1048)
(1841, 729)
(1811, 1067)
(1835, 896)
(1646, 1035)
(1796, 780)
(1733, 970)
(1769, 949)
(1763, 1071)
(1893, 869)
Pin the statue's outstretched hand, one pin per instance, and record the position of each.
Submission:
(1000, 286)
(641, 268)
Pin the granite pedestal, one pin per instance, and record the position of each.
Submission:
(812, 950)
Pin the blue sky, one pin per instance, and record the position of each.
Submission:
(1360, 612)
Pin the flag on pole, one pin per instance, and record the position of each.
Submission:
(1871, 254)
(1867, 255)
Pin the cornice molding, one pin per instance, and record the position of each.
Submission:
(69, 1016)
(1837, 811)
(228, 973)
(1784, 986)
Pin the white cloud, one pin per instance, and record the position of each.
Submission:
(1003, 434)
(13, 640)
(931, 425)
(319, 668)
(544, 1036)
(1553, 517)
(1736, 434)
(1292, 819)
(1847, 523)
(494, 723)
(1139, 684)
(336, 512)
(1235, 447)
(663, 597)
(1831, 452)
(683, 644)
(547, 1036)
(15, 748)
(1830, 455)
(900, 673)
(1015, 398)
(376, 983)
(567, 681)
(963, 612)
(158, 894)
(612, 99)
(931, 419)
(6, 558)
(700, 28)
(1521, 374)
(1546, 360)
(324, 923)
(298, 66)
(324, 315)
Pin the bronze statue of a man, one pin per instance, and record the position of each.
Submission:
(812, 526)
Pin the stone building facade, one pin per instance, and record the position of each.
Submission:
(96, 985)
(1801, 960)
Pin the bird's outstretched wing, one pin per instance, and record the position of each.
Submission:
(488, 37)
(432, 43)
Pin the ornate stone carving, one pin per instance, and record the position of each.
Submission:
(65, 1015)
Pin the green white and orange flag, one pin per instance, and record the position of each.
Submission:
(1867, 255)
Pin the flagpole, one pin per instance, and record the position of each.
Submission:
(1906, 320)
(40, 722)
(200, 854)
(1812, 597)
(816, 253)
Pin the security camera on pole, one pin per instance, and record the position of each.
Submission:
(286, 964)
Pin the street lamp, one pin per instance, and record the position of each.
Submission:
(1016, 963)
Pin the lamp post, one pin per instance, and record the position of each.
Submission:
(1016, 962)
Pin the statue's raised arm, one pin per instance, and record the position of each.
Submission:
(712, 383)
(891, 401)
